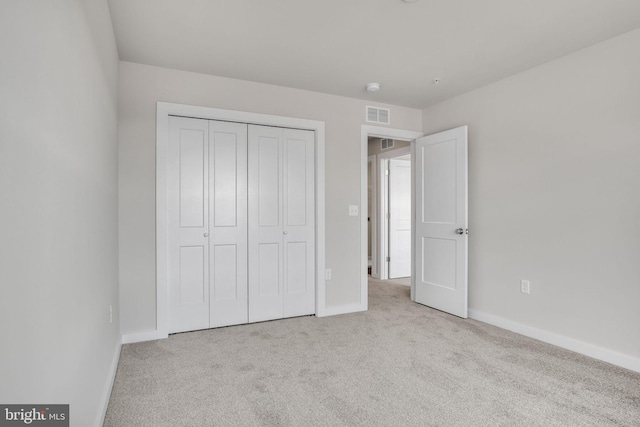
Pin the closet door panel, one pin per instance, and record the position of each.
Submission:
(268, 271)
(192, 198)
(265, 224)
(228, 223)
(296, 183)
(224, 160)
(225, 273)
(269, 186)
(187, 181)
(296, 274)
(192, 267)
(299, 222)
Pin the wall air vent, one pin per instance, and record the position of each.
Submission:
(386, 143)
(378, 115)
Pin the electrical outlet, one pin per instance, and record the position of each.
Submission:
(353, 210)
(110, 314)
(524, 286)
(327, 274)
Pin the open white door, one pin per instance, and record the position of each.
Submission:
(399, 218)
(441, 221)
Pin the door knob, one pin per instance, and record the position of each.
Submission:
(284, 232)
(459, 231)
(206, 234)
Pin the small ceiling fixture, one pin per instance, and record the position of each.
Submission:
(373, 87)
(436, 81)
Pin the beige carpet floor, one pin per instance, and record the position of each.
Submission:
(398, 364)
(401, 281)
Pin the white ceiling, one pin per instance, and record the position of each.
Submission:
(337, 46)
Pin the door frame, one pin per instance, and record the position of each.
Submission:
(367, 131)
(373, 218)
(383, 197)
(166, 109)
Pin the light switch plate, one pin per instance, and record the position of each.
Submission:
(353, 210)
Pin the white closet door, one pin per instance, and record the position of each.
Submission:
(265, 224)
(228, 223)
(281, 223)
(299, 222)
(241, 223)
(188, 224)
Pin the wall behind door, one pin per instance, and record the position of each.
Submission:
(142, 86)
(554, 197)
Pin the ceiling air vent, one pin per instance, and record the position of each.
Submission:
(378, 115)
(386, 143)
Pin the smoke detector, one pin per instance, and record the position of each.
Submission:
(373, 87)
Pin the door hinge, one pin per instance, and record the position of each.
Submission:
(386, 172)
(388, 259)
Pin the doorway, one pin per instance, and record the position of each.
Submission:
(439, 176)
(370, 163)
(390, 219)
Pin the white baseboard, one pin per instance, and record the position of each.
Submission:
(140, 336)
(606, 355)
(111, 376)
(154, 334)
(342, 309)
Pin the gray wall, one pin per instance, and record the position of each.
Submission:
(554, 194)
(142, 86)
(58, 210)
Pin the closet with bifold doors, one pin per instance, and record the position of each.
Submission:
(241, 226)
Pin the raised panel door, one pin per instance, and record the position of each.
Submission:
(299, 222)
(265, 223)
(441, 221)
(188, 224)
(228, 223)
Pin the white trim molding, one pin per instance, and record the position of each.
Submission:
(373, 216)
(164, 110)
(343, 309)
(108, 386)
(591, 350)
(140, 336)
